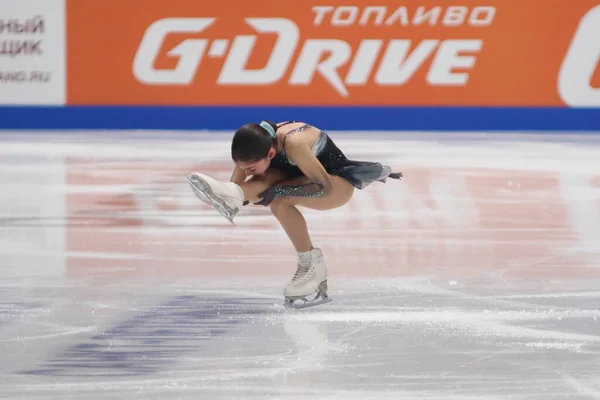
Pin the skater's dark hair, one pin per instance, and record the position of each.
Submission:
(252, 142)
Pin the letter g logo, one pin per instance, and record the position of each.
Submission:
(190, 51)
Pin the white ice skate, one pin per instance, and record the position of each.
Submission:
(226, 197)
(310, 279)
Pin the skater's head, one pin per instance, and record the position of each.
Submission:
(253, 146)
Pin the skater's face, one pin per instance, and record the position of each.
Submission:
(259, 167)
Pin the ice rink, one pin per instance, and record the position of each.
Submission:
(475, 277)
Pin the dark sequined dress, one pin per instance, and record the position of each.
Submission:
(359, 173)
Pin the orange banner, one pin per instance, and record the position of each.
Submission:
(266, 52)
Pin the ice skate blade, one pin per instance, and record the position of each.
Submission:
(291, 303)
(298, 302)
(203, 191)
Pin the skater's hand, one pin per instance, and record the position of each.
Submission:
(267, 197)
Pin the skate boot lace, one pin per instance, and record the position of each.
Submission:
(301, 272)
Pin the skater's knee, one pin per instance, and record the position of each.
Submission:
(280, 205)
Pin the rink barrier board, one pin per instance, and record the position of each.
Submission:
(329, 118)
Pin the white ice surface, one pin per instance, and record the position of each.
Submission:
(475, 277)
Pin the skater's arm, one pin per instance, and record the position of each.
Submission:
(320, 185)
(320, 182)
(238, 176)
(309, 190)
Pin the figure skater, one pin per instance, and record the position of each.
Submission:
(285, 166)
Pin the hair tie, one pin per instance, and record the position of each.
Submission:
(268, 127)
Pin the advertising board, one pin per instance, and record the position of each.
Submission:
(32, 52)
(327, 53)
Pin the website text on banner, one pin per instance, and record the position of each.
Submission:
(32, 52)
(267, 52)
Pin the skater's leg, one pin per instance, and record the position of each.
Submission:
(259, 183)
(294, 225)
(311, 274)
(293, 222)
